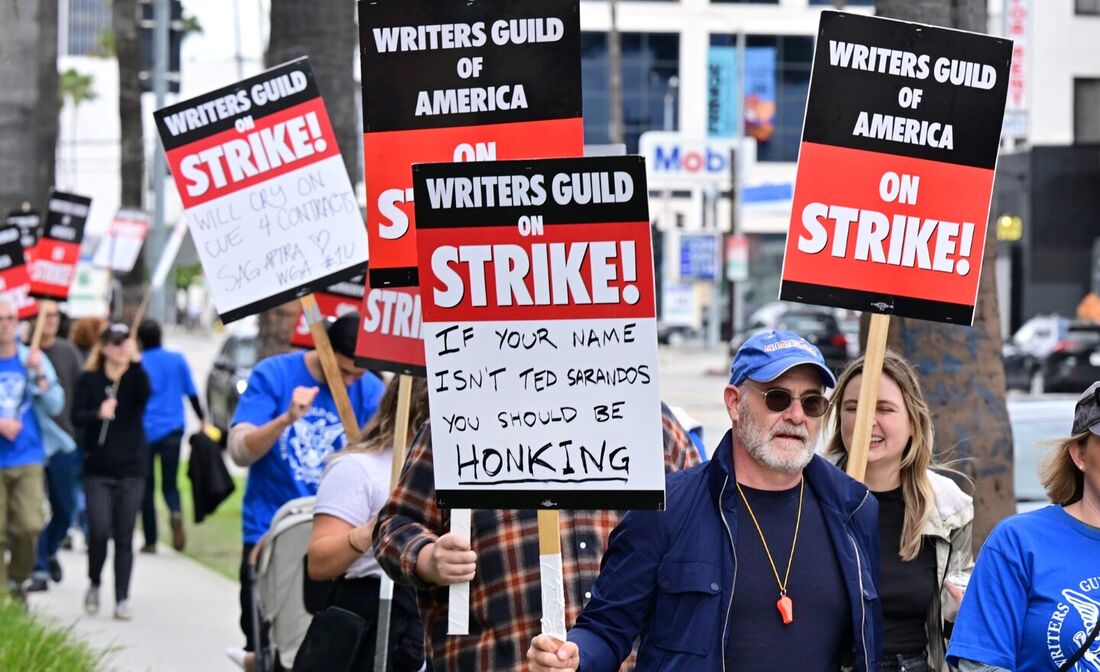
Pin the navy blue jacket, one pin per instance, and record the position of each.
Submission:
(670, 576)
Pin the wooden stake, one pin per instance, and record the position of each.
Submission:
(868, 396)
(40, 324)
(385, 589)
(331, 369)
(552, 578)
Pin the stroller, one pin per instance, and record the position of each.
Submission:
(283, 595)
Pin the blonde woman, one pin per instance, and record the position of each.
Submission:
(1034, 603)
(353, 489)
(925, 520)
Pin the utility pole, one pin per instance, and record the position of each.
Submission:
(162, 18)
(615, 77)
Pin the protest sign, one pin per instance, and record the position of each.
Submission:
(119, 248)
(540, 333)
(29, 222)
(895, 170)
(268, 201)
(390, 333)
(333, 301)
(53, 265)
(459, 82)
(15, 280)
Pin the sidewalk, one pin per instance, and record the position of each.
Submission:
(185, 615)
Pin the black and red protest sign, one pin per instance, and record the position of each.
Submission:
(458, 81)
(15, 279)
(895, 171)
(53, 264)
(336, 300)
(540, 333)
(390, 331)
(268, 201)
(30, 226)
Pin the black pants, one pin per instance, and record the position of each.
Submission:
(406, 641)
(169, 450)
(916, 662)
(246, 601)
(113, 505)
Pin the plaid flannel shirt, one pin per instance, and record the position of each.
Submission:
(505, 594)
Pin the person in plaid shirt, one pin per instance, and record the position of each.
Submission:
(412, 545)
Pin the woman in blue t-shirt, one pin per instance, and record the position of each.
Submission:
(353, 489)
(1034, 600)
(925, 519)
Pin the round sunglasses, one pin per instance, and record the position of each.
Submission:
(814, 405)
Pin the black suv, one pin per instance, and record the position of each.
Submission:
(229, 379)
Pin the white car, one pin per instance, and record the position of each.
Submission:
(1036, 421)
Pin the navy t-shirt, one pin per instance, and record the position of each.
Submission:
(821, 632)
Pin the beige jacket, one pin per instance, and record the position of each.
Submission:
(950, 527)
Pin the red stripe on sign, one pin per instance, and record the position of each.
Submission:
(570, 272)
(15, 286)
(391, 327)
(229, 161)
(54, 268)
(389, 157)
(887, 224)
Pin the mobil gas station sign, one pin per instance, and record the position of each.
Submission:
(673, 159)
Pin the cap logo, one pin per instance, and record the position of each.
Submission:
(790, 343)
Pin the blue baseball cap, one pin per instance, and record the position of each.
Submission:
(770, 354)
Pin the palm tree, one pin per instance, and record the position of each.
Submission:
(961, 368)
(326, 32)
(76, 88)
(29, 104)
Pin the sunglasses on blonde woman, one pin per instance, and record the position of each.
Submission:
(814, 405)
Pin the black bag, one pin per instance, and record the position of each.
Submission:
(332, 642)
(1072, 661)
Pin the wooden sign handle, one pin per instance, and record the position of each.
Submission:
(868, 396)
(551, 575)
(331, 369)
(39, 324)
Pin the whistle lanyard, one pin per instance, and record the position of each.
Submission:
(784, 605)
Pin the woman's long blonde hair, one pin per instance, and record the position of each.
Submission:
(916, 459)
(1063, 481)
(378, 434)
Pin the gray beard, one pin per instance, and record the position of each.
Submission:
(757, 442)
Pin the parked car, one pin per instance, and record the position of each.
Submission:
(1053, 354)
(817, 325)
(1036, 420)
(228, 378)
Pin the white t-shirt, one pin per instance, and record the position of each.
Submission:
(353, 488)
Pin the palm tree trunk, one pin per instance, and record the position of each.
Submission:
(326, 32)
(29, 102)
(961, 368)
(132, 163)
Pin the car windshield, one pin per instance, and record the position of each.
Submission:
(1030, 437)
(1084, 336)
(246, 353)
(808, 324)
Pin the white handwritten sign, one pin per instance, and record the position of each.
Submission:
(540, 333)
(269, 204)
(118, 250)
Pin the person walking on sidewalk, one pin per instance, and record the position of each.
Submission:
(110, 402)
(171, 381)
(27, 382)
(59, 443)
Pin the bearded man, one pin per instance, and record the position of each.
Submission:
(766, 557)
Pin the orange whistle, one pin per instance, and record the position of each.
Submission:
(786, 609)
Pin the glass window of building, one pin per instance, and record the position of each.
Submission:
(1086, 111)
(1091, 7)
(650, 62)
(777, 80)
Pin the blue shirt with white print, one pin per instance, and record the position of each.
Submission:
(293, 466)
(1033, 597)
